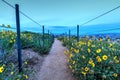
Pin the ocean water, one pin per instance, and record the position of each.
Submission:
(83, 30)
(88, 30)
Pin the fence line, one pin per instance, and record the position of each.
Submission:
(22, 13)
(101, 15)
(104, 30)
(18, 36)
(80, 24)
(18, 28)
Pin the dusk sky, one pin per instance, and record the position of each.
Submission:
(60, 12)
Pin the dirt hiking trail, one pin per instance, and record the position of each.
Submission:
(55, 66)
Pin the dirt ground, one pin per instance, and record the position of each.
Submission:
(54, 66)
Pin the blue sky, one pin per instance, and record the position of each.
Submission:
(60, 13)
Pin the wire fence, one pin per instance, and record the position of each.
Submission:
(81, 30)
(14, 43)
(91, 51)
(14, 40)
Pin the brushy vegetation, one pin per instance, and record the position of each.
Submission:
(8, 46)
(35, 41)
(93, 58)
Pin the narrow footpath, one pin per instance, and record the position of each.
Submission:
(55, 66)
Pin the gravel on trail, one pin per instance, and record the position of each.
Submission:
(55, 66)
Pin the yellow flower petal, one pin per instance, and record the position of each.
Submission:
(104, 57)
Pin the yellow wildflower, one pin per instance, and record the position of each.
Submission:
(90, 61)
(90, 40)
(10, 33)
(89, 43)
(104, 57)
(71, 55)
(72, 48)
(70, 67)
(93, 65)
(116, 61)
(65, 52)
(24, 35)
(80, 43)
(99, 59)
(89, 50)
(11, 41)
(115, 57)
(26, 62)
(115, 74)
(76, 50)
(12, 73)
(68, 60)
(113, 49)
(12, 64)
(111, 45)
(26, 76)
(83, 57)
(92, 45)
(1, 69)
(101, 39)
(98, 50)
(86, 69)
(73, 62)
(14, 40)
(84, 73)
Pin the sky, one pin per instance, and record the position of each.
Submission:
(62, 14)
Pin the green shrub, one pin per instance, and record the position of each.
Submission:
(94, 59)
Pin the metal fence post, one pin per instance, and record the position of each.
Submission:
(48, 33)
(65, 34)
(18, 37)
(43, 34)
(77, 33)
(48, 37)
(69, 34)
